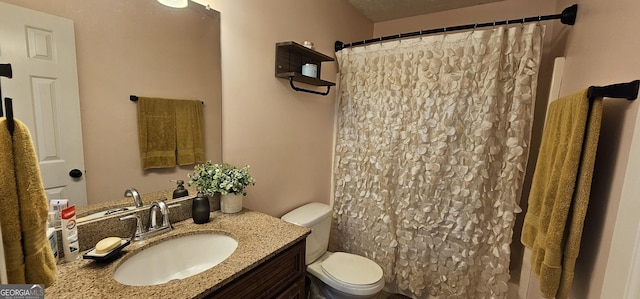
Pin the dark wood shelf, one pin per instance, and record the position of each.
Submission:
(293, 47)
(291, 56)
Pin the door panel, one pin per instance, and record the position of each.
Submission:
(44, 88)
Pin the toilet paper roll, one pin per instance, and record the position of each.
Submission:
(310, 70)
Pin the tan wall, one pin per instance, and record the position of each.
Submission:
(139, 49)
(286, 136)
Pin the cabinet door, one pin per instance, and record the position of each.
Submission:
(296, 291)
(276, 277)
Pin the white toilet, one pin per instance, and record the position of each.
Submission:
(334, 274)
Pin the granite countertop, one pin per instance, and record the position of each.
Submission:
(259, 237)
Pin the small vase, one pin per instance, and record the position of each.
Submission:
(231, 203)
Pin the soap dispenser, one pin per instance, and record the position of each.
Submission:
(180, 190)
(200, 208)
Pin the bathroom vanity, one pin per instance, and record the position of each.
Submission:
(279, 277)
(269, 262)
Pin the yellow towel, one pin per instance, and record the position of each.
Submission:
(9, 210)
(39, 263)
(189, 132)
(157, 132)
(560, 191)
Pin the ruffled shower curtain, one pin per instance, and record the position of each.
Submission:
(431, 150)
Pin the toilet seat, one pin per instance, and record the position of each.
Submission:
(348, 273)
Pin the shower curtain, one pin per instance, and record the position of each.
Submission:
(431, 150)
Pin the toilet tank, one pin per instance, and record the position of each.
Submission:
(317, 217)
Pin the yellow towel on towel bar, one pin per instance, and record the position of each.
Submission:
(170, 132)
(157, 132)
(189, 132)
(27, 250)
(560, 191)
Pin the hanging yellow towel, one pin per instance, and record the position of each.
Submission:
(189, 132)
(34, 207)
(39, 263)
(157, 132)
(9, 215)
(560, 191)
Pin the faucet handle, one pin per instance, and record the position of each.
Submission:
(165, 220)
(138, 231)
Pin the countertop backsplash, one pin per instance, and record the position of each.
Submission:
(92, 231)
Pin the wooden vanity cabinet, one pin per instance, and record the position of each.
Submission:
(282, 277)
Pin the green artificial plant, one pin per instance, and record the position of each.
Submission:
(221, 178)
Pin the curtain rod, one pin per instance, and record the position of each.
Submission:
(567, 17)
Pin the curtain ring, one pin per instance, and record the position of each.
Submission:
(474, 27)
(539, 19)
(523, 20)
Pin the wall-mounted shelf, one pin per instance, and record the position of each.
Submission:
(291, 56)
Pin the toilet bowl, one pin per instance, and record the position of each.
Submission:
(334, 274)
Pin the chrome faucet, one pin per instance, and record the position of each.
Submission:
(153, 228)
(132, 192)
(164, 211)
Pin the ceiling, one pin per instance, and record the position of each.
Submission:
(384, 10)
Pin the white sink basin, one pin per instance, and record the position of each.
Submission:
(175, 259)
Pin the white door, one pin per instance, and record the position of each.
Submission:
(41, 50)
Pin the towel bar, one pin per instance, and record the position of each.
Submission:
(6, 71)
(135, 99)
(8, 105)
(296, 88)
(627, 91)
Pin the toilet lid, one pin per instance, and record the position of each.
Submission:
(352, 269)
